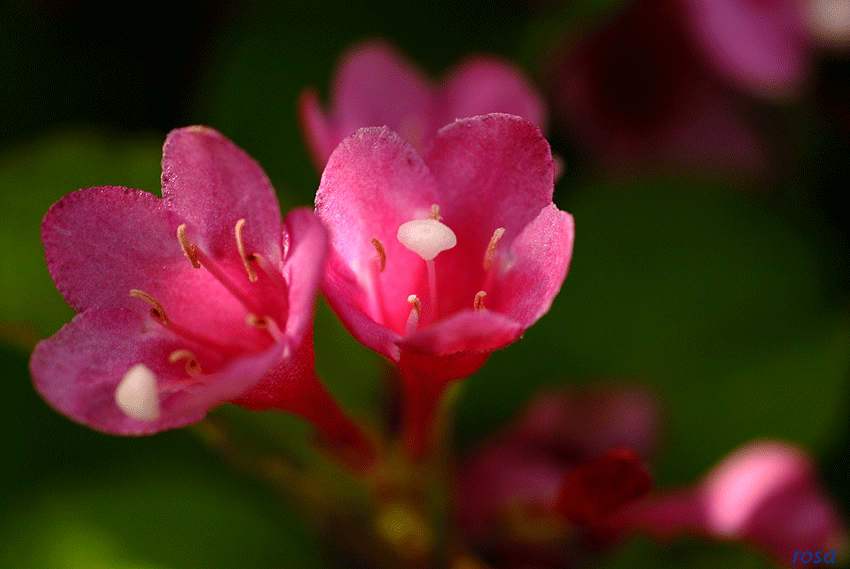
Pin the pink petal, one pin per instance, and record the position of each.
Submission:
(302, 270)
(101, 242)
(465, 331)
(758, 44)
(211, 183)
(374, 182)
(316, 128)
(78, 369)
(537, 266)
(482, 85)
(375, 86)
(495, 169)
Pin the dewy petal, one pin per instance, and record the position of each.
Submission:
(496, 169)
(211, 183)
(373, 183)
(482, 85)
(537, 267)
(79, 368)
(101, 242)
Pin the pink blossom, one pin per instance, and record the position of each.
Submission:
(563, 466)
(375, 86)
(487, 181)
(639, 92)
(766, 494)
(185, 302)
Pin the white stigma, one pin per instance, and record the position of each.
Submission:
(136, 394)
(426, 237)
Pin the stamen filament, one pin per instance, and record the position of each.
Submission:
(225, 280)
(274, 276)
(188, 249)
(478, 303)
(193, 368)
(265, 323)
(382, 254)
(157, 312)
(432, 285)
(246, 258)
(490, 253)
(435, 212)
(413, 318)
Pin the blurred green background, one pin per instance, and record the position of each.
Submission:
(729, 300)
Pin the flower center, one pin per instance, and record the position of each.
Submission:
(428, 238)
(139, 385)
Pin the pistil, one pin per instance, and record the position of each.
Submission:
(137, 395)
(428, 238)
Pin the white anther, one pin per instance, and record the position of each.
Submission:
(426, 237)
(136, 394)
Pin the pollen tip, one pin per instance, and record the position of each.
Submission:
(490, 253)
(246, 258)
(426, 237)
(137, 395)
(478, 303)
(186, 245)
(382, 254)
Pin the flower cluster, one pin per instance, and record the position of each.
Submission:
(435, 240)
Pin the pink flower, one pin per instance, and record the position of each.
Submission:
(374, 86)
(185, 302)
(439, 259)
(563, 468)
(765, 494)
(639, 92)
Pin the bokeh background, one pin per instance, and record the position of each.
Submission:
(725, 294)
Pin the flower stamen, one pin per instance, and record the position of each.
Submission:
(157, 312)
(188, 249)
(478, 303)
(435, 212)
(382, 254)
(246, 258)
(413, 319)
(193, 368)
(490, 253)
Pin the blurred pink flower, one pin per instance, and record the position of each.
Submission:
(439, 259)
(375, 86)
(648, 87)
(765, 494)
(184, 302)
(563, 466)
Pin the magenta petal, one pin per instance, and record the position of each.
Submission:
(78, 369)
(374, 182)
(761, 45)
(482, 85)
(211, 183)
(375, 86)
(537, 266)
(465, 331)
(495, 169)
(316, 128)
(101, 242)
(302, 269)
